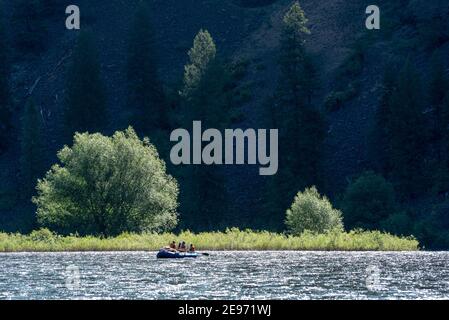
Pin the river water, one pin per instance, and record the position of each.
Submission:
(226, 275)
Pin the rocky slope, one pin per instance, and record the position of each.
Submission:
(241, 34)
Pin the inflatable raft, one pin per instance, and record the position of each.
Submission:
(165, 254)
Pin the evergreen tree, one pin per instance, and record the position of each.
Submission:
(5, 95)
(206, 98)
(146, 101)
(30, 28)
(408, 134)
(302, 127)
(368, 201)
(438, 89)
(32, 145)
(442, 174)
(381, 143)
(85, 97)
(200, 55)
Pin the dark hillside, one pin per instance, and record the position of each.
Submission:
(350, 59)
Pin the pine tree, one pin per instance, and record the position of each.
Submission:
(438, 89)
(85, 97)
(146, 103)
(301, 126)
(380, 147)
(5, 95)
(443, 167)
(32, 145)
(206, 98)
(30, 28)
(408, 134)
(200, 55)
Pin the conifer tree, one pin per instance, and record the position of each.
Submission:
(5, 95)
(301, 126)
(146, 102)
(32, 149)
(443, 166)
(30, 29)
(438, 89)
(206, 98)
(408, 134)
(200, 55)
(85, 95)
(381, 134)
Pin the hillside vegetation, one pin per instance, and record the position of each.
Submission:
(362, 113)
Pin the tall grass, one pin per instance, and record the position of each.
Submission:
(232, 239)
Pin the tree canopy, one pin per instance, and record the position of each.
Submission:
(313, 212)
(106, 186)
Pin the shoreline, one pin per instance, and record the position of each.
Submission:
(230, 240)
(219, 251)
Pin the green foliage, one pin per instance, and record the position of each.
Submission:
(442, 145)
(347, 87)
(313, 212)
(106, 186)
(200, 55)
(32, 159)
(42, 235)
(30, 29)
(295, 24)
(146, 101)
(368, 201)
(439, 101)
(207, 96)
(408, 134)
(85, 96)
(232, 239)
(400, 134)
(303, 127)
(380, 147)
(398, 223)
(5, 94)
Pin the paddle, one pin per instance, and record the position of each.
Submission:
(205, 254)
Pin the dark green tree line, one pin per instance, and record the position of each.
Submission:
(147, 106)
(301, 127)
(85, 108)
(408, 132)
(5, 91)
(206, 98)
(32, 160)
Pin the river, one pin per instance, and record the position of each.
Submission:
(226, 275)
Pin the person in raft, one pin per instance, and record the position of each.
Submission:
(172, 246)
(192, 248)
(182, 247)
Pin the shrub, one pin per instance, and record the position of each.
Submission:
(398, 223)
(367, 201)
(106, 186)
(313, 212)
(42, 235)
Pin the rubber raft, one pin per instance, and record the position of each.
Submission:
(164, 254)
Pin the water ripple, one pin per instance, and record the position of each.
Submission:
(226, 275)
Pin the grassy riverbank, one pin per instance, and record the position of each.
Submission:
(234, 239)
